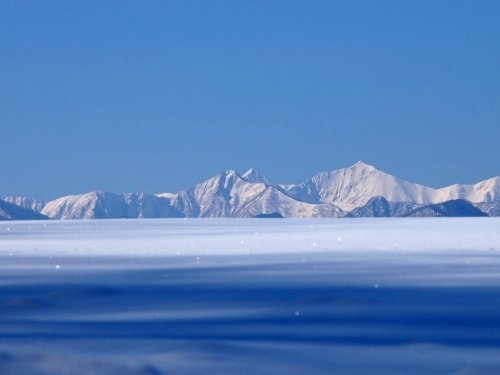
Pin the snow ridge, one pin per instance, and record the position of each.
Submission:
(105, 205)
(25, 202)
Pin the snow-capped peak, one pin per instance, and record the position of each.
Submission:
(354, 186)
(250, 172)
(231, 173)
(361, 165)
(166, 195)
(254, 176)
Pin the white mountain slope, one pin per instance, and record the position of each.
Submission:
(230, 195)
(486, 191)
(25, 202)
(353, 187)
(104, 205)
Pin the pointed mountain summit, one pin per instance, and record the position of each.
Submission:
(353, 187)
(361, 165)
(254, 176)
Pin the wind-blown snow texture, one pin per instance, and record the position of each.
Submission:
(229, 194)
(250, 296)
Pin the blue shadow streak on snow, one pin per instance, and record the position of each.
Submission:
(235, 316)
(244, 311)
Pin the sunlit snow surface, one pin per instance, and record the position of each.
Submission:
(258, 296)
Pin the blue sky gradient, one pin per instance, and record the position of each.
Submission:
(158, 95)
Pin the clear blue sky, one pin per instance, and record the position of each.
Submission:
(158, 95)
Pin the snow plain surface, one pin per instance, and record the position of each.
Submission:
(250, 296)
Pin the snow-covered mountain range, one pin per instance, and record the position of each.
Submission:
(357, 191)
(353, 187)
(230, 195)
